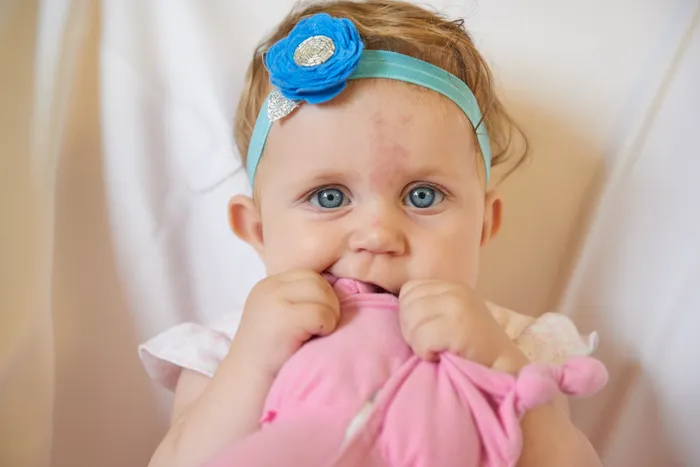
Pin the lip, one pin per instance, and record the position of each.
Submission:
(383, 286)
(380, 288)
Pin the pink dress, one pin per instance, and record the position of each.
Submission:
(360, 397)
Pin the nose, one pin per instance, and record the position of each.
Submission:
(380, 232)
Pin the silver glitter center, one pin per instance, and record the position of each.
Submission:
(279, 106)
(314, 51)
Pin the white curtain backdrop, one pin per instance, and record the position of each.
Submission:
(117, 160)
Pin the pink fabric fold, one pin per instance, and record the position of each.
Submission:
(406, 412)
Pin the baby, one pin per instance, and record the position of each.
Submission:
(370, 130)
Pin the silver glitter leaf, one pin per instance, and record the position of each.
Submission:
(314, 51)
(279, 106)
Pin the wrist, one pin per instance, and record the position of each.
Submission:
(251, 361)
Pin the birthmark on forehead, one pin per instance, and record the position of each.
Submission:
(387, 162)
(388, 154)
(405, 119)
(381, 123)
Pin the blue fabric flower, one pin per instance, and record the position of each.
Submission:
(318, 83)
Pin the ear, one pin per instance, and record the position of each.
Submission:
(244, 218)
(493, 209)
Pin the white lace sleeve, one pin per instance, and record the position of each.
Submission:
(188, 346)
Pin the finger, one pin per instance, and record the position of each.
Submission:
(297, 274)
(312, 289)
(411, 286)
(418, 289)
(416, 314)
(429, 339)
(272, 284)
(315, 319)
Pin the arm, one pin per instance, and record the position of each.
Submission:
(209, 414)
(281, 313)
(549, 437)
(441, 316)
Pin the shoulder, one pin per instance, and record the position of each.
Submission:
(549, 338)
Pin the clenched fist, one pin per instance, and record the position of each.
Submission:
(438, 316)
(284, 311)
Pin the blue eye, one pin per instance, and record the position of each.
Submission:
(328, 198)
(423, 197)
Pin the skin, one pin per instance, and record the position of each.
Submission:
(342, 188)
(374, 151)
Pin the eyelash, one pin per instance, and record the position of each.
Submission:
(309, 197)
(443, 192)
(434, 186)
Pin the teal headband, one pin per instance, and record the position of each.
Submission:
(313, 63)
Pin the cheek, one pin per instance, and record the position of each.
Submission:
(457, 260)
(451, 252)
(294, 242)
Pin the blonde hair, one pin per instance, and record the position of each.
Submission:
(408, 29)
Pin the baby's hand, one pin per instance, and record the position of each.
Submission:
(438, 316)
(283, 312)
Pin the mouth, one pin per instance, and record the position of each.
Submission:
(382, 290)
(381, 287)
(378, 288)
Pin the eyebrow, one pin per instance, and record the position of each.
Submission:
(317, 180)
(329, 175)
(415, 173)
(424, 170)
(326, 177)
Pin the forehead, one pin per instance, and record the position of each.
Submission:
(375, 128)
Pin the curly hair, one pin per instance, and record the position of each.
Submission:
(409, 29)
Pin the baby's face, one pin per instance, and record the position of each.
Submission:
(382, 185)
